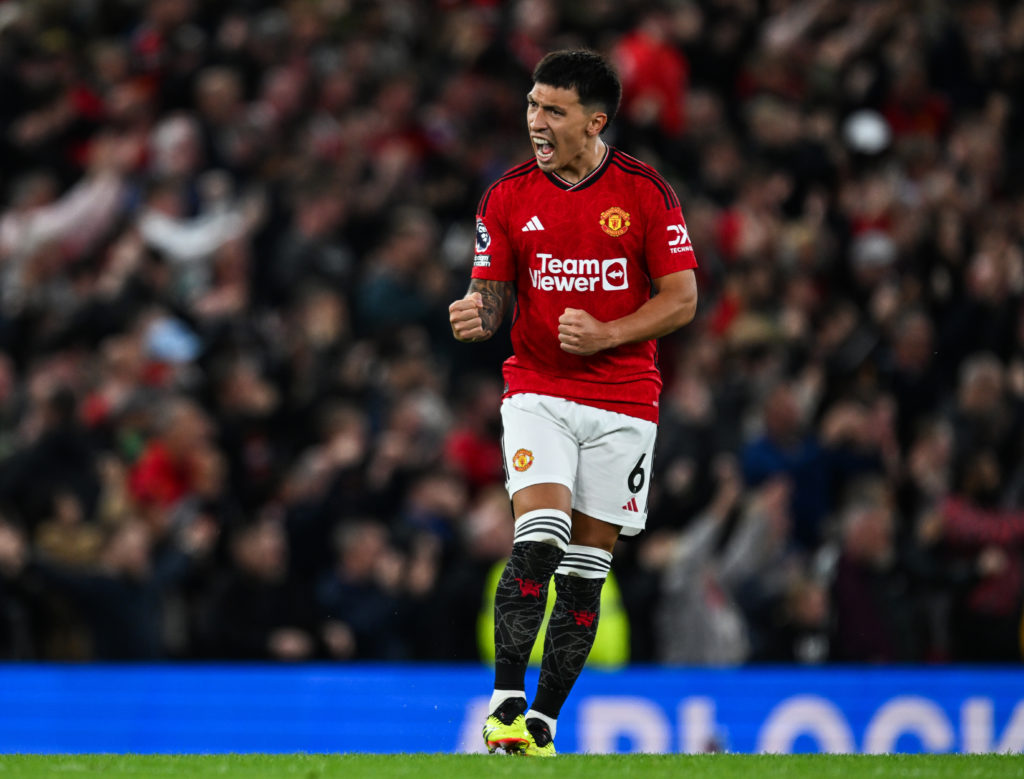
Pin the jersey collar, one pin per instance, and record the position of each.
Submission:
(587, 180)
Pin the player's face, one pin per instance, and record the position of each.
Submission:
(562, 130)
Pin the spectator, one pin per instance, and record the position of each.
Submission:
(401, 287)
(15, 607)
(472, 446)
(255, 611)
(987, 418)
(788, 448)
(911, 373)
(39, 215)
(458, 599)
(120, 599)
(191, 244)
(799, 630)
(163, 473)
(312, 251)
(364, 590)
(986, 617)
(877, 616)
(700, 620)
(60, 458)
(654, 75)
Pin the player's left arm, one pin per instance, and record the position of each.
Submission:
(673, 305)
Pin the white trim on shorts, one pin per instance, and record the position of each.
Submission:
(592, 451)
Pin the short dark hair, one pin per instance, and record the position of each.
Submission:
(586, 71)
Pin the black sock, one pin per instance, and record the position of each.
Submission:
(570, 636)
(519, 605)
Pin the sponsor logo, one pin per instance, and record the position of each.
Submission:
(614, 221)
(533, 224)
(522, 460)
(631, 506)
(482, 261)
(679, 239)
(528, 588)
(613, 274)
(483, 238)
(578, 275)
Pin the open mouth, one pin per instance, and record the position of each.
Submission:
(545, 151)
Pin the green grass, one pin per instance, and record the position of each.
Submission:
(427, 766)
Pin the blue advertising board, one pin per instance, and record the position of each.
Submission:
(412, 708)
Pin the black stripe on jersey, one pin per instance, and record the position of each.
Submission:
(633, 166)
(519, 170)
(665, 194)
(643, 167)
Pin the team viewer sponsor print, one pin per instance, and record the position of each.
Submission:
(553, 274)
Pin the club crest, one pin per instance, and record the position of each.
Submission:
(614, 221)
(522, 460)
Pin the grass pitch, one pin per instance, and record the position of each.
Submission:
(426, 766)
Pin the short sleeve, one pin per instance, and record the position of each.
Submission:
(493, 258)
(667, 243)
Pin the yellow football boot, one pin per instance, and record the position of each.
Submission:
(505, 728)
(539, 742)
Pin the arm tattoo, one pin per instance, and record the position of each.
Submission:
(496, 296)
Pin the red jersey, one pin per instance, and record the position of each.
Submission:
(594, 245)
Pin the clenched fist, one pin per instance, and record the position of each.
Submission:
(464, 315)
(579, 333)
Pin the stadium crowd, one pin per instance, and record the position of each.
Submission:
(233, 421)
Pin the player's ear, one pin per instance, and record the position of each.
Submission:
(598, 120)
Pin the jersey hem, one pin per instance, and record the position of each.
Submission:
(537, 479)
(628, 525)
(632, 410)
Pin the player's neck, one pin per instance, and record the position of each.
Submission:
(585, 164)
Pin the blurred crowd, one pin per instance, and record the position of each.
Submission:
(233, 421)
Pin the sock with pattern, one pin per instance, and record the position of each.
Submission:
(572, 627)
(519, 605)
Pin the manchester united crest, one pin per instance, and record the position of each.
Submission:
(522, 460)
(615, 221)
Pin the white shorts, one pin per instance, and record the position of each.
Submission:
(602, 456)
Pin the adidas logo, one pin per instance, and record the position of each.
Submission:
(631, 506)
(533, 224)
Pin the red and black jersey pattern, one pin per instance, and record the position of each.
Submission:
(596, 245)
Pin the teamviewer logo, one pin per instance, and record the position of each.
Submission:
(613, 274)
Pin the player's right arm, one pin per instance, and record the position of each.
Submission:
(477, 316)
